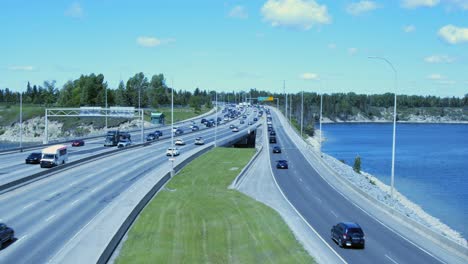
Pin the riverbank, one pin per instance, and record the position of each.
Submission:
(381, 192)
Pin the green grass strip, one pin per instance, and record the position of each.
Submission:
(197, 219)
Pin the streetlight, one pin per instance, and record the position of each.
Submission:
(216, 121)
(302, 111)
(172, 128)
(286, 100)
(21, 121)
(320, 124)
(392, 180)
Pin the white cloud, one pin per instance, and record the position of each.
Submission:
(150, 42)
(238, 12)
(361, 7)
(439, 59)
(309, 76)
(435, 77)
(409, 28)
(419, 3)
(463, 4)
(301, 14)
(74, 10)
(21, 68)
(352, 51)
(453, 34)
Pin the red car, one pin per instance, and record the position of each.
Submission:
(78, 143)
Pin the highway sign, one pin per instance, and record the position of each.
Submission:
(265, 99)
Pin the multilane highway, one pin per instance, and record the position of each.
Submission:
(48, 213)
(322, 207)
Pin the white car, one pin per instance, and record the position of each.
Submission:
(199, 141)
(174, 129)
(179, 141)
(235, 129)
(172, 152)
(124, 143)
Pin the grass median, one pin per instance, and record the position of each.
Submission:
(197, 219)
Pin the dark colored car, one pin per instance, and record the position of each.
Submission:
(195, 128)
(6, 234)
(203, 121)
(276, 149)
(272, 139)
(272, 133)
(282, 164)
(34, 158)
(231, 126)
(242, 122)
(348, 234)
(255, 119)
(152, 137)
(178, 132)
(209, 124)
(158, 133)
(77, 143)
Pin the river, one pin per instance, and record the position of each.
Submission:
(431, 164)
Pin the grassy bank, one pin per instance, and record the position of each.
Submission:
(10, 114)
(196, 219)
(181, 113)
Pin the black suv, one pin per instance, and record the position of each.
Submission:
(158, 133)
(348, 234)
(34, 158)
(282, 164)
(152, 137)
(276, 149)
(6, 234)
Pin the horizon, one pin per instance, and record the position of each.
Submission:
(234, 46)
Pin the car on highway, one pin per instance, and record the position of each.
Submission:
(276, 149)
(203, 120)
(242, 122)
(199, 141)
(34, 158)
(124, 143)
(172, 152)
(158, 133)
(255, 119)
(195, 128)
(250, 123)
(272, 133)
(348, 234)
(179, 142)
(152, 137)
(6, 234)
(282, 164)
(231, 126)
(77, 143)
(235, 129)
(178, 131)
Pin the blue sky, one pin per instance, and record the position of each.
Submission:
(316, 45)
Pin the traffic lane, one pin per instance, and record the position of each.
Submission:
(49, 234)
(381, 243)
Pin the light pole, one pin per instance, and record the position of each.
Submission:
(106, 106)
(21, 121)
(290, 109)
(286, 100)
(172, 129)
(302, 111)
(216, 119)
(142, 112)
(392, 180)
(320, 124)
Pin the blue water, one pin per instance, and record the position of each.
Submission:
(431, 164)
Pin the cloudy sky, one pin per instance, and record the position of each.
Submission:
(313, 45)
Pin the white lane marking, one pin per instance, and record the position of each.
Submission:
(73, 183)
(333, 213)
(21, 238)
(373, 217)
(392, 260)
(110, 180)
(300, 215)
(52, 194)
(93, 190)
(318, 199)
(74, 202)
(50, 217)
(29, 205)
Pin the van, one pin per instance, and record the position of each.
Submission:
(53, 156)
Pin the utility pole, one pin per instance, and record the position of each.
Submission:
(302, 111)
(216, 120)
(285, 99)
(106, 108)
(172, 129)
(21, 121)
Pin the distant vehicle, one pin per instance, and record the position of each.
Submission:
(179, 141)
(250, 123)
(53, 156)
(172, 152)
(348, 234)
(226, 119)
(209, 124)
(282, 164)
(272, 133)
(199, 141)
(270, 129)
(255, 119)
(6, 234)
(77, 143)
(231, 126)
(235, 129)
(152, 137)
(276, 149)
(174, 129)
(272, 139)
(178, 131)
(124, 143)
(159, 133)
(112, 138)
(195, 128)
(242, 122)
(203, 121)
(34, 158)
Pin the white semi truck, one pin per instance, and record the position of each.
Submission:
(53, 156)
